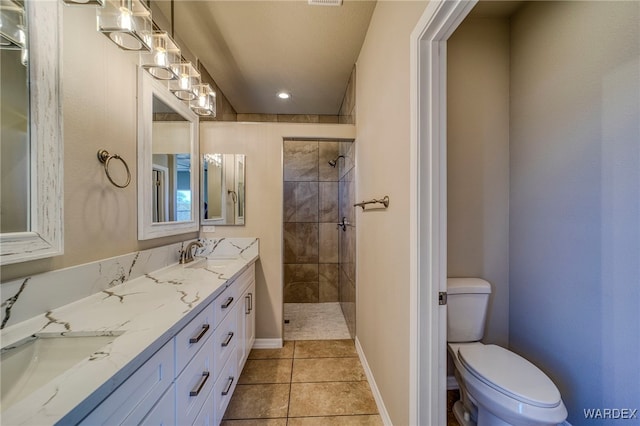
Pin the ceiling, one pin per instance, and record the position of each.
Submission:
(255, 49)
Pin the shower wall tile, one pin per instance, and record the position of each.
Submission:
(328, 202)
(301, 283)
(301, 201)
(346, 149)
(328, 151)
(329, 240)
(328, 282)
(301, 161)
(300, 243)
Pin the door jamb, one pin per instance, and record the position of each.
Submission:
(428, 208)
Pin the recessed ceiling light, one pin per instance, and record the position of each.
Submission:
(284, 95)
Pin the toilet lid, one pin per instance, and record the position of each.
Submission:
(509, 374)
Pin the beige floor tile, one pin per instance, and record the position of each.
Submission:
(336, 421)
(327, 370)
(285, 352)
(258, 402)
(255, 422)
(257, 371)
(331, 399)
(325, 349)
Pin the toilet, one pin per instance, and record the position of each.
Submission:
(497, 386)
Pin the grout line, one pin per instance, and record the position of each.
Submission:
(291, 381)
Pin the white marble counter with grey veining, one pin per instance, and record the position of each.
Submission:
(144, 313)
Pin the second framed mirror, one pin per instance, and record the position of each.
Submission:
(223, 189)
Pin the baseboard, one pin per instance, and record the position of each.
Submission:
(384, 414)
(452, 383)
(267, 344)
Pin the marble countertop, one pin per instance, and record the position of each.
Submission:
(144, 313)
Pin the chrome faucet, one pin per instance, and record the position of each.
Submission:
(186, 255)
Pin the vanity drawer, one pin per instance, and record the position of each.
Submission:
(228, 298)
(193, 385)
(223, 342)
(224, 387)
(225, 303)
(194, 336)
(137, 395)
(245, 280)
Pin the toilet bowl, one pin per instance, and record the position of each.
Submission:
(505, 388)
(497, 386)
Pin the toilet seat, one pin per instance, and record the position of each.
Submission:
(509, 374)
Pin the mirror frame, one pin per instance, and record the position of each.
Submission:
(46, 235)
(148, 87)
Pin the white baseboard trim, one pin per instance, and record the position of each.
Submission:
(452, 383)
(384, 414)
(267, 344)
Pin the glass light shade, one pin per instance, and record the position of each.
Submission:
(162, 61)
(205, 101)
(127, 23)
(98, 3)
(13, 32)
(184, 87)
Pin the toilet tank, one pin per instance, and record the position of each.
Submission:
(467, 301)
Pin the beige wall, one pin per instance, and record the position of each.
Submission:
(262, 144)
(99, 111)
(575, 198)
(382, 161)
(478, 162)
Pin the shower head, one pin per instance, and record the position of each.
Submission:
(333, 162)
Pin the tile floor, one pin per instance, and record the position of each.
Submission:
(306, 383)
(314, 321)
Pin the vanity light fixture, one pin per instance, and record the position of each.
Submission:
(214, 159)
(162, 61)
(284, 95)
(205, 101)
(99, 3)
(12, 28)
(184, 87)
(127, 23)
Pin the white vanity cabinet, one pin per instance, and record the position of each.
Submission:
(190, 380)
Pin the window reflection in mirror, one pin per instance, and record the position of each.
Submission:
(223, 189)
(171, 168)
(14, 116)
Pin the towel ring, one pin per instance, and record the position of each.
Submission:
(105, 158)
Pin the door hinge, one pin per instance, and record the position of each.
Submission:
(442, 298)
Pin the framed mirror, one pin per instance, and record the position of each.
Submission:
(31, 116)
(168, 192)
(223, 189)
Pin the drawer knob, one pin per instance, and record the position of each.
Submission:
(228, 388)
(227, 340)
(195, 391)
(227, 303)
(196, 339)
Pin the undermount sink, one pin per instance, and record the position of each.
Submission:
(215, 263)
(30, 365)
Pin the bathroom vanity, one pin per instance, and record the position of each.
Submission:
(166, 347)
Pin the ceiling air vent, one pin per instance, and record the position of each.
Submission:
(325, 2)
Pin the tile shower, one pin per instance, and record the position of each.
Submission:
(319, 256)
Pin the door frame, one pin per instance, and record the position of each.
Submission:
(428, 208)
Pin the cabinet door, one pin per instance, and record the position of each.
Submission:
(164, 412)
(131, 402)
(246, 324)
